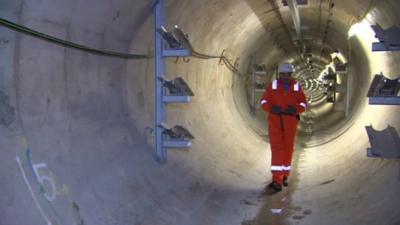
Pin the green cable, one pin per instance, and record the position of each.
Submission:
(36, 34)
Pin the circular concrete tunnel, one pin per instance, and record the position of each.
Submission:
(77, 129)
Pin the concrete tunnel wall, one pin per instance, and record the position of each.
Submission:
(89, 119)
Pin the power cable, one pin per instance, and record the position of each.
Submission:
(223, 58)
(68, 44)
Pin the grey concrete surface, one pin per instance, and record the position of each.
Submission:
(84, 122)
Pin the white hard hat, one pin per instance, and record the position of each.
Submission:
(285, 68)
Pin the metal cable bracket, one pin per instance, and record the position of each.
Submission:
(168, 44)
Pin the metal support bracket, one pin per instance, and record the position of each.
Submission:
(384, 100)
(382, 47)
(177, 144)
(176, 137)
(384, 144)
(180, 52)
(341, 68)
(175, 42)
(176, 99)
(176, 87)
(384, 91)
(299, 2)
(389, 39)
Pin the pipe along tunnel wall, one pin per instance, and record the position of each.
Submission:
(83, 123)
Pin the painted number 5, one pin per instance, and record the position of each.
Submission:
(42, 179)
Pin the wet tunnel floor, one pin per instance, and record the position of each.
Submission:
(278, 208)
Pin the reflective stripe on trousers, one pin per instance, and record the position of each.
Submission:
(280, 168)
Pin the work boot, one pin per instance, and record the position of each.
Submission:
(285, 181)
(274, 188)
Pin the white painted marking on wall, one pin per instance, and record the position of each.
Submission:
(42, 179)
(31, 191)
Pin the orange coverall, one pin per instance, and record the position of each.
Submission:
(282, 128)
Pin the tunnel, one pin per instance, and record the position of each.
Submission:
(77, 129)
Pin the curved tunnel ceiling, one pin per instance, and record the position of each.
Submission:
(78, 148)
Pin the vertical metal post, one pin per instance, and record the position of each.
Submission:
(334, 89)
(161, 154)
(253, 84)
(348, 87)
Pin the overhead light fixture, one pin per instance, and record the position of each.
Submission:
(362, 28)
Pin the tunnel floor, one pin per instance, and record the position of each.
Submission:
(77, 129)
(275, 209)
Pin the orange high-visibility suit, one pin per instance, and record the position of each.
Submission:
(282, 127)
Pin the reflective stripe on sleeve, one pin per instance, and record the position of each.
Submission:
(274, 85)
(276, 168)
(296, 87)
(263, 101)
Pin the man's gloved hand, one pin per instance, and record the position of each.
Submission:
(276, 109)
(291, 110)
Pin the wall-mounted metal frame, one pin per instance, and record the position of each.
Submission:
(384, 144)
(330, 82)
(389, 39)
(168, 91)
(256, 88)
(384, 91)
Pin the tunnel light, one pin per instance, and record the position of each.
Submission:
(339, 56)
(362, 28)
(355, 29)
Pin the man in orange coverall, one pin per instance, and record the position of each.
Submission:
(284, 100)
